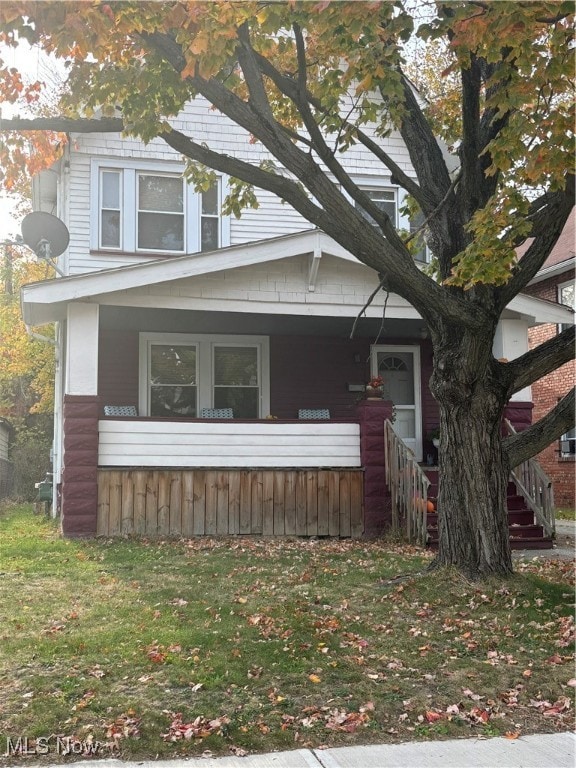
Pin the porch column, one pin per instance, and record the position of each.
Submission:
(511, 341)
(377, 509)
(79, 501)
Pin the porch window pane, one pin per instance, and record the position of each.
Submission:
(160, 213)
(173, 380)
(243, 401)
(236, 380)
(173, 401)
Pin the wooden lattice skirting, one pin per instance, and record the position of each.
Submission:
(265, 502)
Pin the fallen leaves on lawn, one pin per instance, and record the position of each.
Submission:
(199, 728)
(125, 726)
(331, 718)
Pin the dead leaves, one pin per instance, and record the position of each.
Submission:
(197, 729)
(125, 726)
(329, 718)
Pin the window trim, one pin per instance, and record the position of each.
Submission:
(128, 201)
(205, 344)
(564, 284)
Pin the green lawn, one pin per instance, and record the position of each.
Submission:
(170, 648)
(565, 514)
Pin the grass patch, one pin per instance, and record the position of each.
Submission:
(172, 648)
(565, 514)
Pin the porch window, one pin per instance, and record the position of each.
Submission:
(236, 382)
(150, 210)
(173, 380)
(180, 374)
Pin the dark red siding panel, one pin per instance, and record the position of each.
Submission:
(314, 372)
(118, 367)
(79, 498)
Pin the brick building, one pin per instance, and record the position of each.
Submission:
(555, 282)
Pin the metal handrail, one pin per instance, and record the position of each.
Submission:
(408, 487)
(534, 485)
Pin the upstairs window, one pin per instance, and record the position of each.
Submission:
(152, 211)
(384, 199)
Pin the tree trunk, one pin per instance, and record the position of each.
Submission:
(473, 471)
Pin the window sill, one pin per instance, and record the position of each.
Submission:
(138, 254)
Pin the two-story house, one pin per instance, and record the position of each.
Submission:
(170, 313)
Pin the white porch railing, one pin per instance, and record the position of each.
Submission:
(408, 488)
(536, 487)
(227, 443)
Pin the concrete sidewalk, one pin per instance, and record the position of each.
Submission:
(550, 750)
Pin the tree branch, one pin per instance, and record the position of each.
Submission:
(541, 360)
(549, 215)
(523, 445)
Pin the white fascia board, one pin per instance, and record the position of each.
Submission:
(538, 311)
(552, 271)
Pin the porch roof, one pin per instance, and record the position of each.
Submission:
(46, 301)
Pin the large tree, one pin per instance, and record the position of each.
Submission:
(307, 80)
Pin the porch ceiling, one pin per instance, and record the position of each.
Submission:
(194, 321)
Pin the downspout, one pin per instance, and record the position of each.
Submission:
(55, 457)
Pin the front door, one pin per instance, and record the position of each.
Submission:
(399, 366)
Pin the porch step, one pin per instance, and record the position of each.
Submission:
(524, 532)
(529, 543)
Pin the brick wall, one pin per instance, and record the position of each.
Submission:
(547, 391)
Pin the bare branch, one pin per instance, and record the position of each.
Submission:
(541, 360)
(523, 445)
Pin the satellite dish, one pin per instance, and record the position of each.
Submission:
(45, 234)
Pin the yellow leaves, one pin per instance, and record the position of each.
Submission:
(200, 44)
(365, 84)
(314, 679)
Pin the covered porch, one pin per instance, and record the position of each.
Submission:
(264, 331)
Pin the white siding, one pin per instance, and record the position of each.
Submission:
(275, 287)
(227, 444)
(271, 219)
